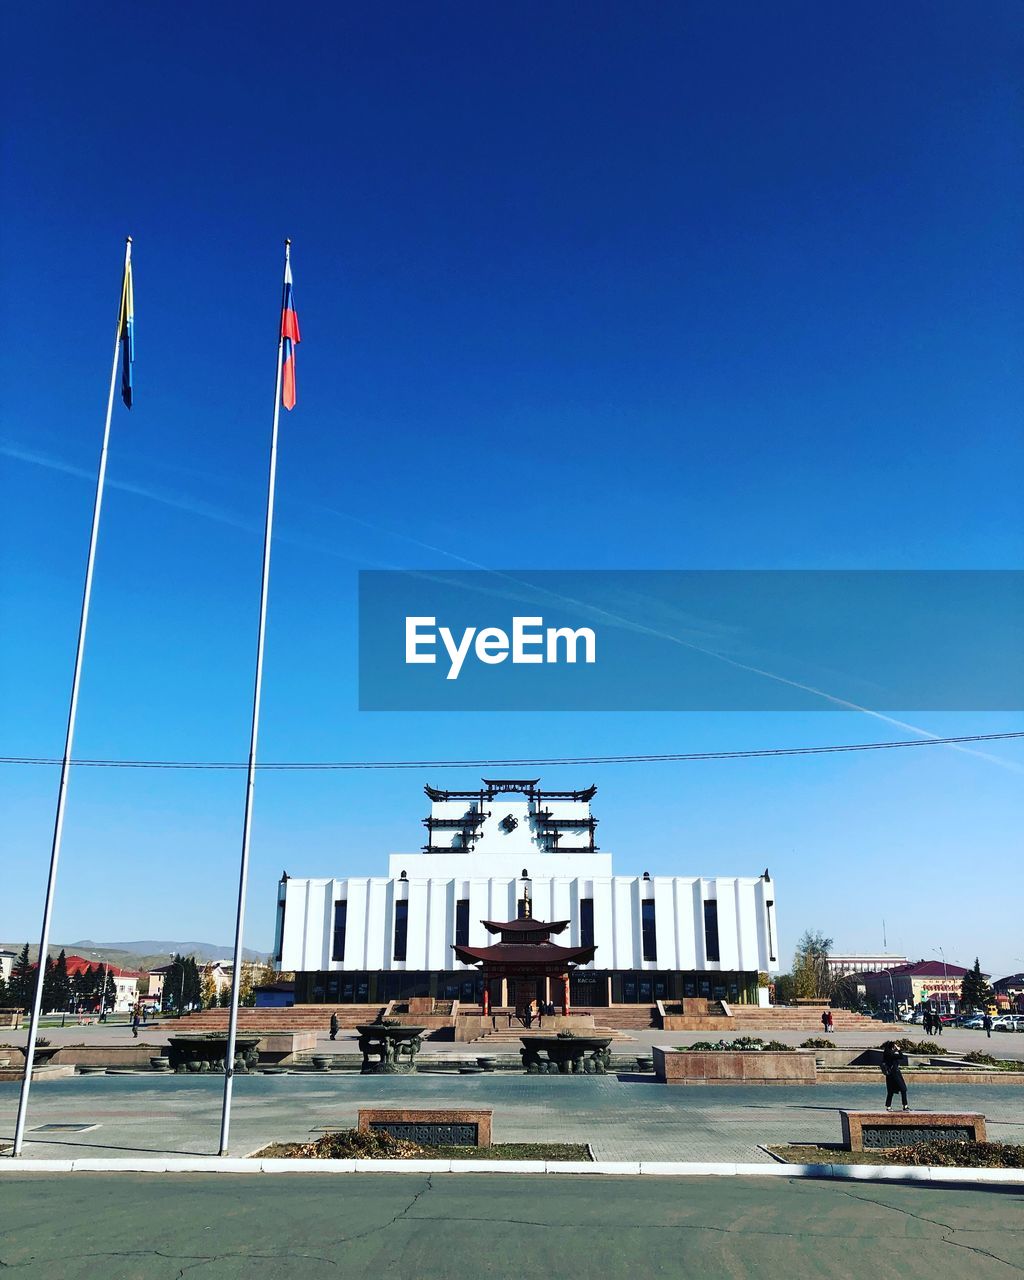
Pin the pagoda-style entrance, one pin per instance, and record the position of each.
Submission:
(524, 965)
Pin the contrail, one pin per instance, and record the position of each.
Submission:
(212, 512)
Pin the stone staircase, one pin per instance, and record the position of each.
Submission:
(509, 1037)
(746, 1017)
(301, 1017)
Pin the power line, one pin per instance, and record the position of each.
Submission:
(519, 761)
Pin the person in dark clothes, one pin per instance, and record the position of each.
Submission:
(135, 1023)
(928, 1021)
(824, 1022)
(894, 1082)
(986, 1022)
(937, 1024)
(334, 1026)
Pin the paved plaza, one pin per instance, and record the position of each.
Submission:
(954, 1040)
(461, 1227)
(622, 1117)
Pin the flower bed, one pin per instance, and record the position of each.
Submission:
(350, 1144)
(950, 1155)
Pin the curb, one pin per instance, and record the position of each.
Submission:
(625, 1168)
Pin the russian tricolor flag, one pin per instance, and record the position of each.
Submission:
(289, 339)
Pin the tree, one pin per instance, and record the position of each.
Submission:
(208, 990)
(48, 1001)
(247, 986)
(174, 985)
(61, 983)
(811, 976)
(22, 984)
(4, 993)
(975, 993)
(193, 984)
(224, 999)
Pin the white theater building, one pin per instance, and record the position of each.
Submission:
(508, 849)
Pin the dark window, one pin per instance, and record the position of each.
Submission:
(522, 909)
(650, 935)
(462, 922)
(340, 921)
(586, 922)
(711, 930)
(280, 929)
(401, 928)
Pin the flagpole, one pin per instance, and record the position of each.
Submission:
(65, 768)
(243, 875)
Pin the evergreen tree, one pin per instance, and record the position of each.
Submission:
(173, 989)
(193, 984)
(22, 985)
(110, 994)
(224, 999)
(975, 993)
(4, 993)
(48, 993)
(61, 983)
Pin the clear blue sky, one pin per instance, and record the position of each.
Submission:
(645, 285)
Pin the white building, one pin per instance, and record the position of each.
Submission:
(862, 963)
(369, 939)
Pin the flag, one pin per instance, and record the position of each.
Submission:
(126, 332)
(289, 339)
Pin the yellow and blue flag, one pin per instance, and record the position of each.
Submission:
(126, 330)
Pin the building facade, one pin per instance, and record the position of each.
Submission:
(840, 965)
(912, 985)
(369, 939)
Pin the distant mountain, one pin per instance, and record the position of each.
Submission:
(201, 950)
(147, 954)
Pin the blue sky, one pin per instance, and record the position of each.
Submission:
(634, 286)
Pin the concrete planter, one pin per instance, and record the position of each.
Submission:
(733, 1066)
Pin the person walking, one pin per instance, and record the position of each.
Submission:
(894, 1082)
(334, 1026)
(824, 1021)
(135, 1022)
(937, 1024)
(986, 1022)
(830, 1023)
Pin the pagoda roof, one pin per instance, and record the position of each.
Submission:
(535, 955)
(525, 926)
(528, 787)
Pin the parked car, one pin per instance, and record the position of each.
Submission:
(1008, 1022)
(974, 1023)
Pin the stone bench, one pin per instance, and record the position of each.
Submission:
(430, 1128)
(879, 1130)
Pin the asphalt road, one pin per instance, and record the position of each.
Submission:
(299, 1227)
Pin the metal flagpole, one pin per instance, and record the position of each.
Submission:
(243, 876)
(65, 768)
